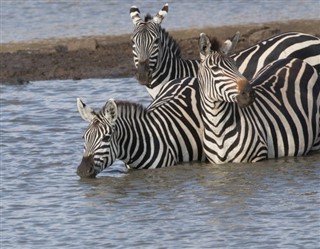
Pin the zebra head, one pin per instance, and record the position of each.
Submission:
(98, 139)
(146, 42)
(219, 77)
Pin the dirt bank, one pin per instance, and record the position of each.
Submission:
(111, 56)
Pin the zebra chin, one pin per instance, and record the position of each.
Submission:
(86, 168)
(144, 78)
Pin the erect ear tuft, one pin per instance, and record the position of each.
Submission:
(135, 14)
(165, 8)
(111, 110)
(161, 14)
(230, 44)
(85, 111)
(204, 45)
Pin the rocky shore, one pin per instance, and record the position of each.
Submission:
(111, 56)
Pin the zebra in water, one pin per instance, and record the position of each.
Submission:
(169, 131)
(274, 115)
(157, 56)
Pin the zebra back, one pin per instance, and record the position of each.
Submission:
(290, 44)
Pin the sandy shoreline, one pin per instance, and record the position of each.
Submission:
(111, 56)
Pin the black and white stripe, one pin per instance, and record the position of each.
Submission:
(158, 60)
(156, 54)
(275, 115)
(285, 45)
(167, 132)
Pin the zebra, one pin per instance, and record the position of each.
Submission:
(157, 56)
(276, 114)
(169, 131)
(289, 44)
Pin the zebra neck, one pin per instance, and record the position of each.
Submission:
(221, 131)
(219, 119)
(171, 65)
(133, 128)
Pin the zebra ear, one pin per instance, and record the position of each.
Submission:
(85, 111)
(230, 44)
(135, 14)
(161, 14)
(111, 110)
(204, 45)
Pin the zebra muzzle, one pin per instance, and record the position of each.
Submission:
(143, 74)
(86, 168)
(246, 94)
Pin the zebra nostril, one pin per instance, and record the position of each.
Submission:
(86, 168)
(143, 62)
(246, 96)
(143, 72)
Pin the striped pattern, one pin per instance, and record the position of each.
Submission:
(152, 45)
(290, 44)
(167, 132)
(157, 56)
(283, 119)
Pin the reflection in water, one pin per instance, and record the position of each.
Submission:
(44, 204)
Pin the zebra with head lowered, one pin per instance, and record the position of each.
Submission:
(169, 131)
(157, 56)
(276, 114)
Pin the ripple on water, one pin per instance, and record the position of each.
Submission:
(45, 204)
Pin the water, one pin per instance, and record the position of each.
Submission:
(273, 204)
(41, 19)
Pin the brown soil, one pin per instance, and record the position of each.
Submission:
(111, 56)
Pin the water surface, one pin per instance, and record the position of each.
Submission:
(273, 204)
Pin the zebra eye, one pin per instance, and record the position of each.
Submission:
(156, 41)
(215, 68)
(106, 138)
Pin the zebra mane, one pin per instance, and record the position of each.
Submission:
(215, 43)
(148, 17)
(172, 42)
(125, 106)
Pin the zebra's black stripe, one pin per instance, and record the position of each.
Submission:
(167, 132)
(283, 119)
(290, 44)
(166, 63)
